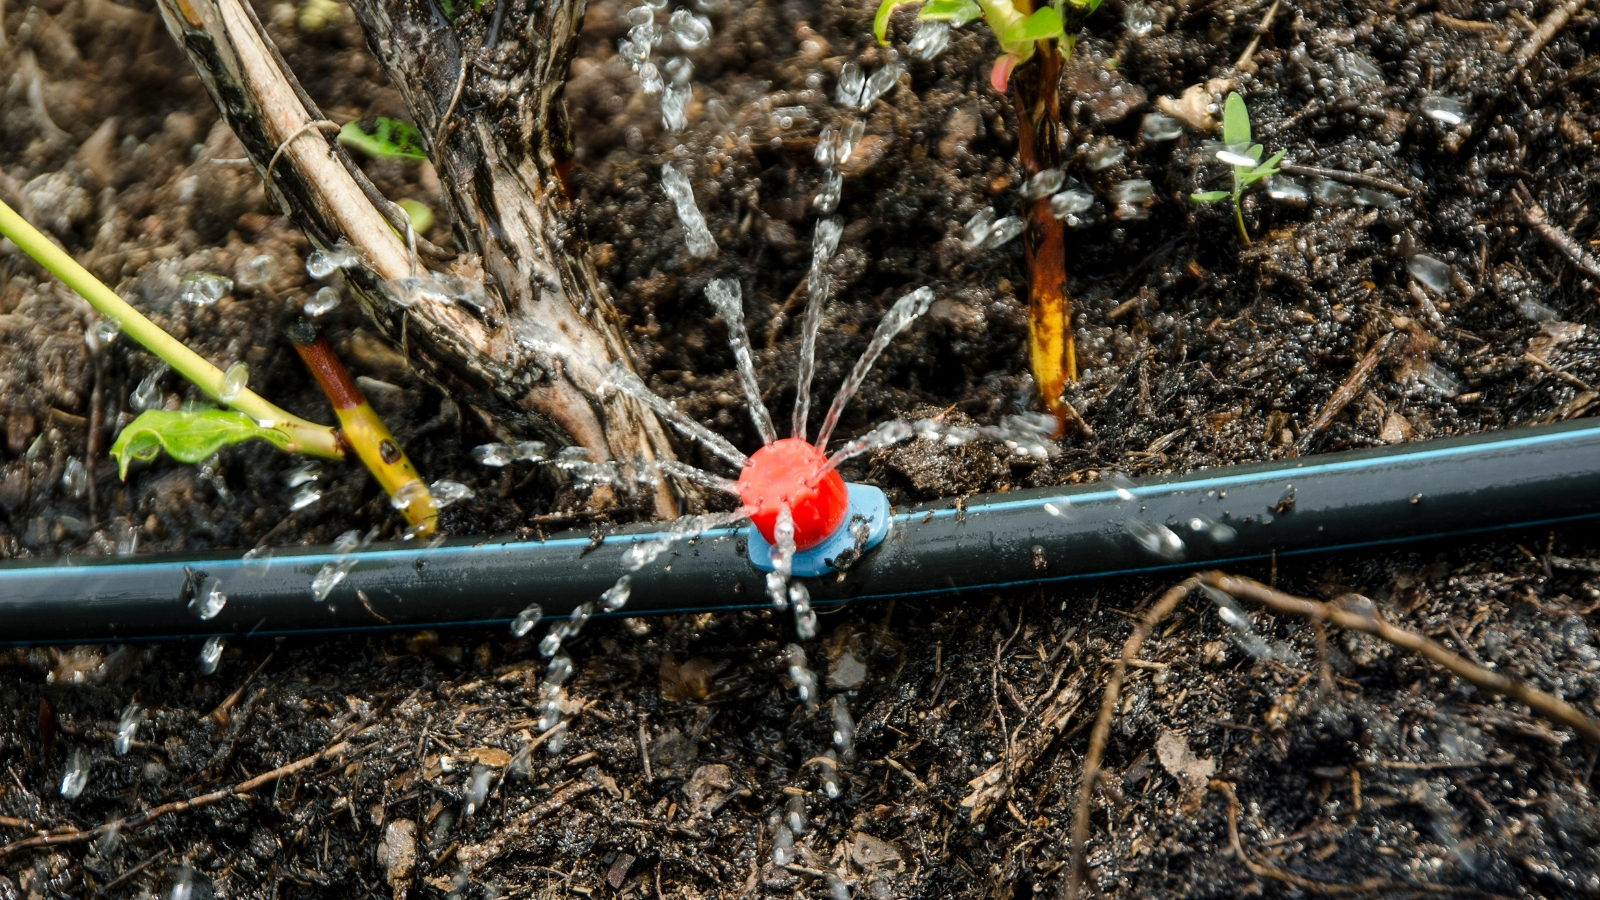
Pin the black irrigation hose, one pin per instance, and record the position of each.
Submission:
(1523, 477)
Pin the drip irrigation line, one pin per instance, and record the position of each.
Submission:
(1456, 487)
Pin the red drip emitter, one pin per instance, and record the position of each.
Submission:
(792, 472)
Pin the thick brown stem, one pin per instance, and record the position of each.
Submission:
(1036, 91)
(535, 359)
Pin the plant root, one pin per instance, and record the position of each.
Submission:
(1342, 612)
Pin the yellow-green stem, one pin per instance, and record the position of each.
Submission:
(1238, 216)
(306, 437)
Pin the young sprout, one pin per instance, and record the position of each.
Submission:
(1018, 31)
(1243, 156)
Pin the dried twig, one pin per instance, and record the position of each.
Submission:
(1552, 24)
(1534, 215)
(1102, 725)
(1344, 394)
(1345, 616)
(1266, 870)
(247, 786)
(1354, 616)
(1355, 178)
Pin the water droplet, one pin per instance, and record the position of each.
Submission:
(650, 79)
(1535, 311)
(446, 493)
(1287, 190)
(1158, 127)
(691, 31)
(931, 39)
(323, 263)
(829, 190)
(525, 620)
(851, 81)
(1071, 203)
(1134, 191)
(209, 602)
(616, 596)
(837, 889)
(478, 788)
(1157, 540)
(75, 477)
(324, 301)
(302, 474)
(233, 382)
(76, 777)
(978, 227)
(127, 728)
(881, 82)
(1333, 193)
(680, 70)
(105, 331)
(1139, 18)
(493, 454)
(675, 108)
(1444, 109)
(1103, 156)
(211, 654)
(304, 497)
(1003, 231)
(783, 846)
(256, 271)
(328, 578)
(826, 239)
(256, 562)
(676, 185)
(1043, 184)
(1061, 509)
(1432, 272)
(148, 394)
(204, 288)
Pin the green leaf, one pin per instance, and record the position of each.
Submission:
(188, 435)
(1235, 121)
(1270, 167)
(387, 139)
(880, 22)
(956, 12)
(1209, 196)
(419, 213)
(1043, 25)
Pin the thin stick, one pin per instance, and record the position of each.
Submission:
(1534, 215)
(1266, 22)
(177, 806)
(1355, 178)
(1344, 394)
(1553, 23)
(461, 82)
(1550, 707)
(1263, 870)
(313, 125)
(1102, 725)
(304, 437)
(106, 888)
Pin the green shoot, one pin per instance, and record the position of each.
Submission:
(188, 435)
(1018, 32)
(1243, 156)
(387, 139)
(286, 431)
(420, 215)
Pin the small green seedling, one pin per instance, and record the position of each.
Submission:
(1245, 158)
(384, 139)
(188, 435)
(1017, 29)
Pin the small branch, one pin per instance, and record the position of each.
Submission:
(1355, 178)
(1265, 870)
(1547, 705)
(305, 437)
(1344, 394)
(1102, 726)
(1552, 24)
(363, 430)
(1534, 215)
(178, 806)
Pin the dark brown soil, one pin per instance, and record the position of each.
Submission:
(1197, 352)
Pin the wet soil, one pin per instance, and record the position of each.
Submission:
(1197, 351)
